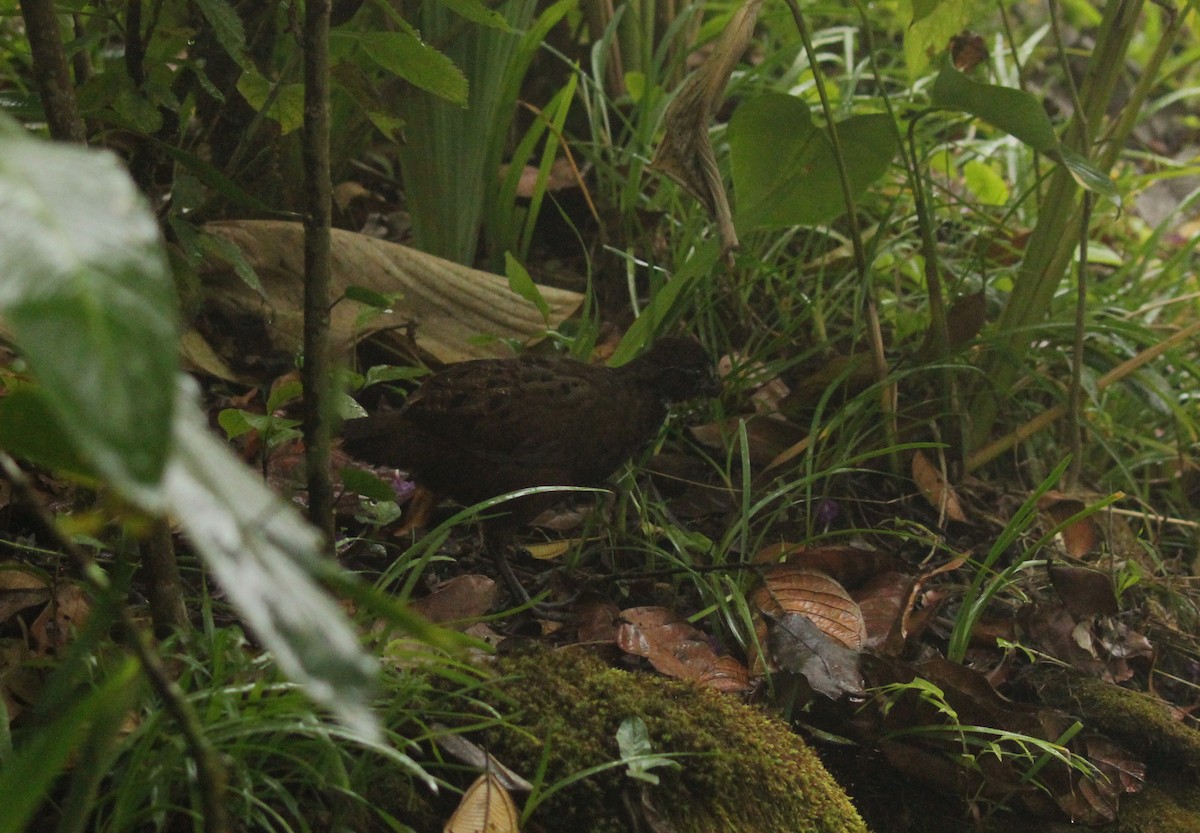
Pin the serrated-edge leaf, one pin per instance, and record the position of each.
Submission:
(476, 12)
(227, 27)
(416, 62)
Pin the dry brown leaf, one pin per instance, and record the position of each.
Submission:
(462, 749)
(66, 613)
(20, 588)
(937, 491)
(461, 598)
(767, 437)
(848, 566)
(672, 645)
(789, 589)
(727, 675)
(486, 807)
(685, 153)
(797, 645)
(884, 601)
(1080, 538)
(597, 621)
(1084, 592)
(450, 304)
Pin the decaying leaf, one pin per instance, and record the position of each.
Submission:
(20, 588)
(461, 598)
(451, 305)
(1080, 538)
(937, 491)
(686, 154)
(486, 807)
(797, 645)
(56, 625)
(674, 647)
(788, 589)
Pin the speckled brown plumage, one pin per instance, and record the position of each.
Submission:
(483, 428)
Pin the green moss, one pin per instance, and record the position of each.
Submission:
(1161, 809)
(1135, 720)
(1142, 723)
(741, 771)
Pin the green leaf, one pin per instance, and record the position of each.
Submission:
(633, 741)
(476, 12)
(227, 251)
(29, 429)
(1087, 175)
(784, 171)
(228, 29)
(1016, 112)
(348, 407)
(266, 558)
(521, 283)
(370, 297)
(987, 185)
(366, 484)
(416, 62)
(934, 23)
(391, 373)
(89, 299)
(288, 106)
(284, 394)
(1019, 114)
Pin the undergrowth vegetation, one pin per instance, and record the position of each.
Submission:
(944, 258)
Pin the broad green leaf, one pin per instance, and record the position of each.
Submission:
(1016, 112)
(366, 484)
(228, 29)
(284, 394)
(363, 295)
(1019, 114)
(26, 778)
(87, 294)
(265, 556)
(391, 373)
(987, 185)
(416, 62)
(934, 23)
(521, 283)
(29, 429)
(287, 108)
(226, 250)
(476, 12)
(784, 171)
(348, 407)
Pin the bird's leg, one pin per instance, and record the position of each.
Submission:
(497, 548)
